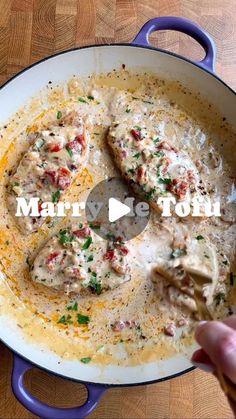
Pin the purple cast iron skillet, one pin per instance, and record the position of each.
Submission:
(95, 391)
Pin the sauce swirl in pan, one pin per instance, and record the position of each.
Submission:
(144, 318)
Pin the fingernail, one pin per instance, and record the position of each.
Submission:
(204, 367)
(202, 322)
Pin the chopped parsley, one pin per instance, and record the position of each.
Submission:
(156, 140)
(95, 284)
(56, 196)
(86, 360)
(143, 187)
(65, 320)
(159, 154)
(110, 236)
(90, 97)
(127, 110)
(139, 331)
(149, 195)
(87, 243)
(177, 253)
(159, 170)
(200, 237)
(94, 226)
(90, 258)
(138, 328)
(165, 180)
(69, 151)
(148, 101)
(82, 319)
(137, 155)
(225, 262)
(80, 99)
(138, 128)
(59, 115)
(73, 307)
(220, 298)
(65, 237)
(132, 171)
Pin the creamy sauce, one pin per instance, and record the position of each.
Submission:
(78, 260)
(125, 324)
(49, 166)
(155, 166)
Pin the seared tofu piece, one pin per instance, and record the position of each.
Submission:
(153, 165)
(49, 166)
(77, 260)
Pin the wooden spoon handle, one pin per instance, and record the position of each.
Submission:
(227, 386)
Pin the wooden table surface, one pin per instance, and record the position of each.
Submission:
(33, 29)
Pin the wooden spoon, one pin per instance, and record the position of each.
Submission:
(199, 279)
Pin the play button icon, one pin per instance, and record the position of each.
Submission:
(117, 210)
(113, 211)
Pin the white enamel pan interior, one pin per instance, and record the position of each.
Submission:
(83, 62)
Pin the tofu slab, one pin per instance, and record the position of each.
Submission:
(154, 166)
(49, 167)
(77, 260)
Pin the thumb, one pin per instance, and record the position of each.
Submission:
(219, 342)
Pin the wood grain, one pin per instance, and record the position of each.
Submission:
(33, 29)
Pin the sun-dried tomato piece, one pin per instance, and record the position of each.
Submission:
(110, 255)
(54, 148)
(64, 178)
(52, 259)
(136, 134)
(83, 232)
(140, 173)
(124, 250)
(77, 143)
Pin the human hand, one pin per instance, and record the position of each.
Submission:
(218, 342)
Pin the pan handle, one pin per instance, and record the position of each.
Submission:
(20, 366)
(186, 26)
